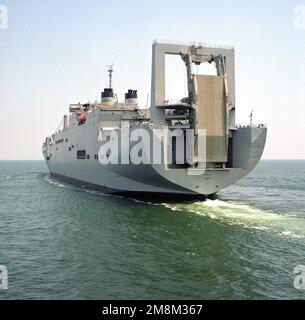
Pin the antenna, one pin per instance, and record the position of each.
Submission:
(110, 71)
(251, 118)
(146, 108)
(147, 98)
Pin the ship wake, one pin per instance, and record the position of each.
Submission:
(239, 214)
(228, 212)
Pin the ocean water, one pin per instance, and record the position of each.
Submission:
(62, 242)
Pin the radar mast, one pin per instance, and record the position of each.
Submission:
(110, 71)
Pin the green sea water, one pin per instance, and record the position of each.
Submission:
(62, 242)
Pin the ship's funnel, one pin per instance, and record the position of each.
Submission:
(107, 97)
(131, 97)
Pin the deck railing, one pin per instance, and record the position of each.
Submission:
(251, 125)
(193, 43)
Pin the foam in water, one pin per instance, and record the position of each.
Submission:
(246, 216)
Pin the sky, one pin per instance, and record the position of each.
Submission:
(54, 53)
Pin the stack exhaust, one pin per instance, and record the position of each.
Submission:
(131, 97)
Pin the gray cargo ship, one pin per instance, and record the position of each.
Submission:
(77, 152)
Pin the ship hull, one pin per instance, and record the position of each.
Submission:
(143, 195)
(147, 180)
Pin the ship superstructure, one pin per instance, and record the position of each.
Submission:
(75, 152)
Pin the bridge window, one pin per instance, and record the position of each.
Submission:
(81, 154)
